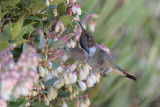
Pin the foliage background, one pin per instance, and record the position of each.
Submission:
(130, 29)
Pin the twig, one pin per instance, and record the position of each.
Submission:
(36, 97)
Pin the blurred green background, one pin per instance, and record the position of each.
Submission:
(131, 30)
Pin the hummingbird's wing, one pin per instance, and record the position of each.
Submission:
(77, 54)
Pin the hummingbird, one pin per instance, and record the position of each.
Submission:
(96, 57)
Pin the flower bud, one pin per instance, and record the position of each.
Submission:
(82, 104)
(50, 65)
(46, 101)
(59, 83)
(97, 77)
(48, 77)
(82, 85)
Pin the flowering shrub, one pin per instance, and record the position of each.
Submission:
(35, 65)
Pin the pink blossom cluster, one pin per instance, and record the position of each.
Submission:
(17, 78)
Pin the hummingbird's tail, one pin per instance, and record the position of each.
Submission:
(128, 75)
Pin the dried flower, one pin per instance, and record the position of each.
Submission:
(61, 26)
(92, 26)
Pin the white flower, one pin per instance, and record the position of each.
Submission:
(42, 85)
(73, 67)
(64, 104)
(86, 69)
(42, 71)
(74, 78)
(74, 9)
(82, 85)
(82, 75)
(57, 27)
(59, 69)
(50, 65)
(46, 101)
(92, 26)
(54, 73)
(59, 83)
(88, 102)
(66, 79)
(67, 2)
(97, 77)
(78, 10)
(61, 26)
(93, 77)
(47, 2)
(89, 82)
(82, 104)
(70, 88)
(77, 18)
(48, 77)
(74, 1)
(65, 57)
(27, 104)
(52, 94)
(72, 43)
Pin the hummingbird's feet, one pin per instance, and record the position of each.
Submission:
(103, 75)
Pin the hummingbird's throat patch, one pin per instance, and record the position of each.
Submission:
(92, 50)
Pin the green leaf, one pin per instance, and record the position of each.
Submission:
(61, 9)
(63, 94)
(22, 32)
(38, 6)
(3, 13)
(16, 29)
(18, 103)
(24, 47)
(20, 41)
(42, 39)
(54, 43)
(50, 82)
(54, 65)
(34, 18)
(38, 104)
(66, 19)
(11, 2)
(50, 13)
(42, 56)
(3, 45)
(6, 35)
(57, 1)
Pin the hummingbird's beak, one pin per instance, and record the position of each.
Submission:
(83, 30)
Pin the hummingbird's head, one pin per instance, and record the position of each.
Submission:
(86, 40)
